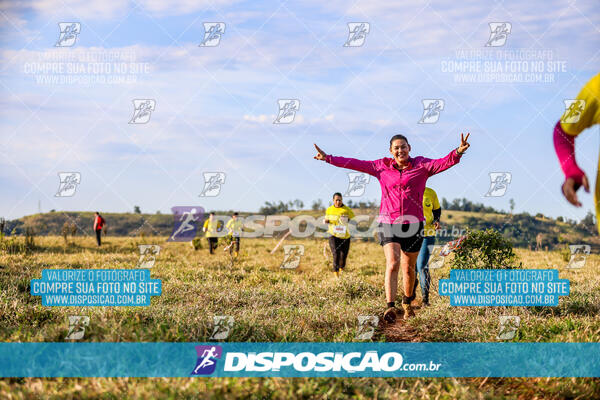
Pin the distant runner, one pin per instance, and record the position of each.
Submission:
(99, 223)
(402, 179)
(211, 228)
(337, 216)
(234, 230)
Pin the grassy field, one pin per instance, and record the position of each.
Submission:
(273, 304)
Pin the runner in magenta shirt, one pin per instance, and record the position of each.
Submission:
(402, 179)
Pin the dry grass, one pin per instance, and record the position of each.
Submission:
(272, 304)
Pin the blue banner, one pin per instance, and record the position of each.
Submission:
(504, 287)
(300, 359)
(96, 287)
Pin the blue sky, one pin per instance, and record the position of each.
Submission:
(215, 105)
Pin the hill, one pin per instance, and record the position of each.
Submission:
(523, 228)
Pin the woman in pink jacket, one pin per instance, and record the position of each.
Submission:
(402, 179)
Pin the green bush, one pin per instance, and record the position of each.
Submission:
(485, 249)
(196, 243)
(565, 253)
(13, 245)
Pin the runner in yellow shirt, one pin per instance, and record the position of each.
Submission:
(337, 216)
(211, 228)
(432, 211)
(234, 230)
(581, 114)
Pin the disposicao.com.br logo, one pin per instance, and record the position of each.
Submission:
(310, 362)
(207, 359)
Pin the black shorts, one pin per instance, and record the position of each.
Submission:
(409, 236)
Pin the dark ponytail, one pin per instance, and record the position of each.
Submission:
(396, 137)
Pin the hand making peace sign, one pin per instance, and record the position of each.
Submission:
(464, 145)
(320, 154)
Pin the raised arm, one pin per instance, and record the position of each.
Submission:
(564, 144)
(441, 164)
(587, 111)
(350, 163)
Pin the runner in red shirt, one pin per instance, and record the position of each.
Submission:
(99, 223)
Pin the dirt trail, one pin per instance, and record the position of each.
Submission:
(400, 331)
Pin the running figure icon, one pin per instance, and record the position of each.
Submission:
(207, 361)
(187, 217)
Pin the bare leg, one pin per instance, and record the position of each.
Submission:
(392, 266)
(408, 263)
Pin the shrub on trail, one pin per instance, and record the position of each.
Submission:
(487, 250)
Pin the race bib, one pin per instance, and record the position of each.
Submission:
(235, 234)
(339, 229)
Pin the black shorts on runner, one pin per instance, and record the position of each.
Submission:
(409, 236)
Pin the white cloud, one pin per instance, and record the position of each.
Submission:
(80, 8)
(382, 122)
(178, 7)
(106, 9)
(259, 118)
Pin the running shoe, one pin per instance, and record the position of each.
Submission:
(408, 311)
(390, 315)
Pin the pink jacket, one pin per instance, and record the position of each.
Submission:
(401, 191)
(564, 145)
